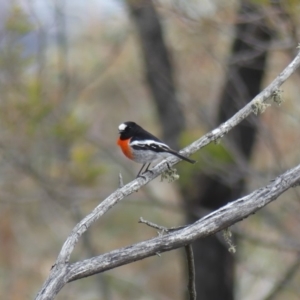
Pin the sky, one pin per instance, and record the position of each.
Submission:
(77, 11)
(79, 14)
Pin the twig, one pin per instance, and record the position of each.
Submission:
(159, 227)
(191, 271)
(153, 225)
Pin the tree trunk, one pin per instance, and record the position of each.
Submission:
(214, 264)
(158, 68)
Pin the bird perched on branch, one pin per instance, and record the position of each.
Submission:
(142, 147)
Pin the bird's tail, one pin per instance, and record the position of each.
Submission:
(182, 157)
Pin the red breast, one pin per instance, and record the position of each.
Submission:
(124, 145)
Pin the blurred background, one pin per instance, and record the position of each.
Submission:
(71, 71)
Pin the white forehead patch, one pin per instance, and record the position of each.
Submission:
(122, 127)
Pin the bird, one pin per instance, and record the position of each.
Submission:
(143, 147)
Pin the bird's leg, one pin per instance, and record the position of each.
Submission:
(147, 169)
(138, 175)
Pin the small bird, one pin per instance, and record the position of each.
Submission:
(142, 147)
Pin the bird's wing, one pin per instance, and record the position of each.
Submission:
(158, 147)
(150, 145)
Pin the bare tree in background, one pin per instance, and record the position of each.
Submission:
(159, 69)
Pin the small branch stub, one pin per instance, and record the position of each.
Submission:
(121, 183)
(161, 229)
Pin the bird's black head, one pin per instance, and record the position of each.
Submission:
(128, 130)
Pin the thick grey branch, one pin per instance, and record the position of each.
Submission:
(208, 225)
(62, 272)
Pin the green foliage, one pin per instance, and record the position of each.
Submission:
(212, 152)
(216, 153)
(69, 128)
(261, 2)
(208, 157)
(34, 109)
(84, 169)
(289, 6)
(18, 22)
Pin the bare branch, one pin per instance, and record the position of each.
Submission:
(62, 272)
(208, 225)
(133, 186)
